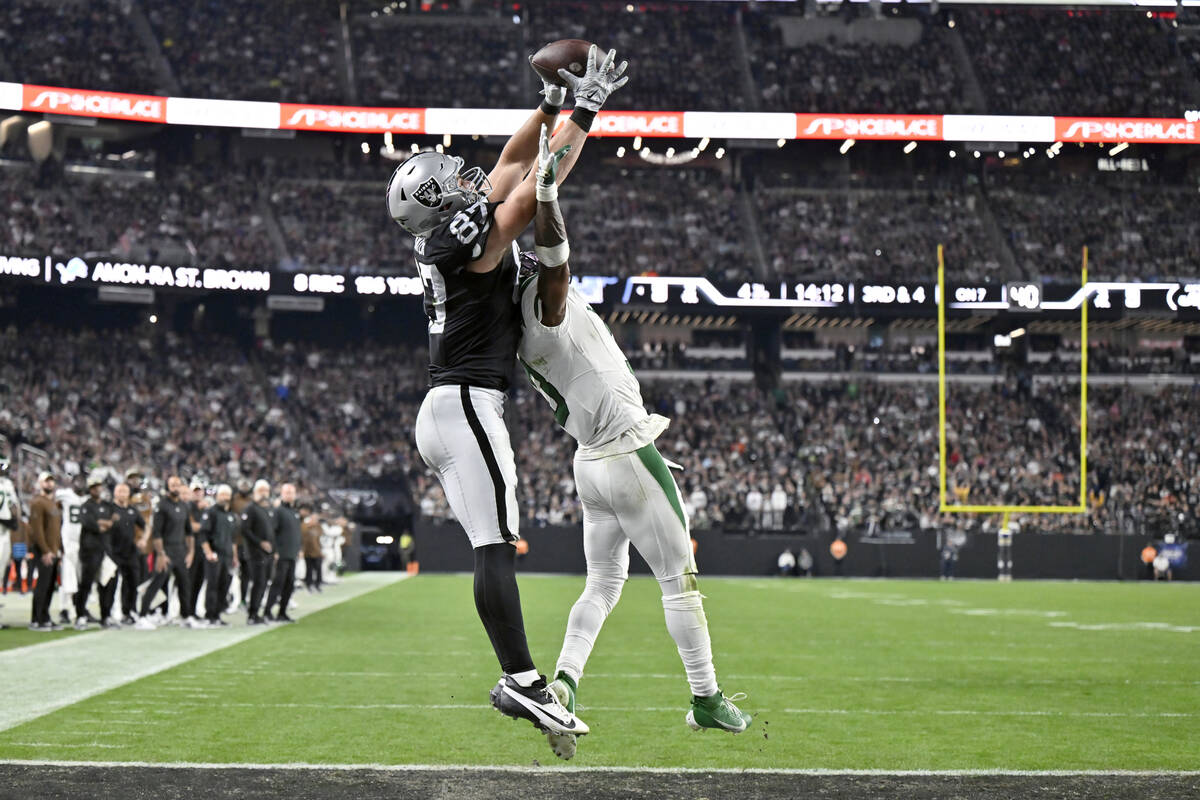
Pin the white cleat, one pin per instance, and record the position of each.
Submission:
(144, 624)
(563, 744)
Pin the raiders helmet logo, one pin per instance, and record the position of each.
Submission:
(429, 193)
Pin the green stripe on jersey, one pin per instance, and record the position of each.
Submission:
(561, 412)
(653, 461)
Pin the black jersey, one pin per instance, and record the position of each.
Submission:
(474, 320)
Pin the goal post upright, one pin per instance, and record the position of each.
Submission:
(1006, 510)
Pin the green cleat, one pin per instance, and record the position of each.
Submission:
(718, 711)
(563, 688)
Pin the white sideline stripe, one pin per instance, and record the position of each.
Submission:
(521, 769)
(103, 660)
(964, 712)
(728, 678)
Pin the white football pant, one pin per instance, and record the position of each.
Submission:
(626, 498)
(461, 437)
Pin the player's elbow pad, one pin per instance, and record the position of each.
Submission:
(555, 255)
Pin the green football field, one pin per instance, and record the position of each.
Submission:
(890, 675)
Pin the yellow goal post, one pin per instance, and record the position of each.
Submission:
(945, 507)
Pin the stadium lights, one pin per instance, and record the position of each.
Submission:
(445, 140)
(637, 143)
(1122, 147)
(154, 319)
(1000, 340)
(953, 154)
(670, 152)
(620, 152)
(720, 152)
(416, 148)
(1000, 153)
(846, 145)
(439, 149)
(780, 142)
(1017, 334)
(977, 154)
(703, 144)
(950, 24)
(366, 148)
(908, 148)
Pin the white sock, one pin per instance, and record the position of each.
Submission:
(689, 628)
(599, 597)
(526, 678)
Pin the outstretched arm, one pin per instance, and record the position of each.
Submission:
(550, 237)
(515, 214)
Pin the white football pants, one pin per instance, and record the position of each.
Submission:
(461, 437)
(626, 498)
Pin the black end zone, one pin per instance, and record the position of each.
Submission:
(171, 783)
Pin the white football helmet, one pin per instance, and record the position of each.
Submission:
(429, 188)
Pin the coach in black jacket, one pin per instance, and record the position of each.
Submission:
(258, 531)
(218, 526)
(174, 548)
(287, 547)
(95, 518)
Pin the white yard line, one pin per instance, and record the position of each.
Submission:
(953, 712)
(183, 765)
(75, 668)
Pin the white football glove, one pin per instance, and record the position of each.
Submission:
(554, 94)
(547, 167)
(598, 82)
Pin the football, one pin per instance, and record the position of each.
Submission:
(568, 54)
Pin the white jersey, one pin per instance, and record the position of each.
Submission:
(72, 504)
(579, 369)
(9, 505)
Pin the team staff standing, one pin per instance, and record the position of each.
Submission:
(310, 547)
(173, 542)
(287, 550)
(196, 507)
(258, 532)
(218, 526)
(127, 527)
(95, 518)
(45, 543)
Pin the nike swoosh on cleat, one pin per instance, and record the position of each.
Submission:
(537, 709)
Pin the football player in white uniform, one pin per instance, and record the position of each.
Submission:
(625, 485)
(10, 518)
(72, 504)
(465, 224)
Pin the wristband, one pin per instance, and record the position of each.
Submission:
(554, 256)
(549, 108)
(583, 118)
(546, 193)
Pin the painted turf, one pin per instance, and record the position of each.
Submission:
(74, 668)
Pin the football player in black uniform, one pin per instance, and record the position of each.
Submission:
(465, 226)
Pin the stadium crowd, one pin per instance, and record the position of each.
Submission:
(855, 77)
(252, 51)
(1076, 63)
(1133, 231)
(1114, 62)
(871, 235)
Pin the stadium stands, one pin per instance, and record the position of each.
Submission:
(252, 51)
(78, 43)
(856, 76)
(1134, 231)
(1076, 63)
(871, 235)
